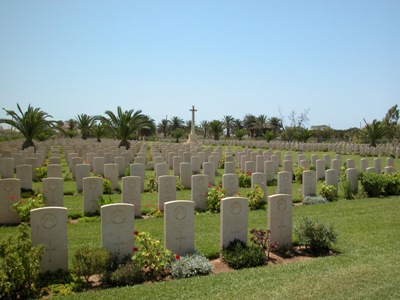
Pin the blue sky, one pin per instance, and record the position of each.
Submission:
(340, 59)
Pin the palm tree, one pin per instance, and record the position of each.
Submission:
(177, 134)
(148, 127)
(176, 123)
(205, 126)
(374, 132)
(85, 122)
(124, 124)
(249, 122)
(98, 130)
(32, 124)
(260, 125)
(163, 127)
(228, 123)
(276, 124)
(217, 129)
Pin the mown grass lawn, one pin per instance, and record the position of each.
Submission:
(368, 266)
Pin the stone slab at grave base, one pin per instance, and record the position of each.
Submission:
(192, 140)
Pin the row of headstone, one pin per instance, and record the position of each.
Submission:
(49, 227)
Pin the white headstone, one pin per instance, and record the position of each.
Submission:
(280, 219)
(199, 191)
(9, 195)
(131, 192)
(92, 190)
(234, 220)
(166, 190)
(53, 191)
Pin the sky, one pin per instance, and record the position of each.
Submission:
(339, 60)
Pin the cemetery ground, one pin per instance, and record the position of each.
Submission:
(367, 265)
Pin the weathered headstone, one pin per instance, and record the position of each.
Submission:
(309, 183)
(285, 183)
(54, 170)
(179, 226)
(7, 167)
(92, 191)
(209, 169)
(24, 173)
(230, 183)
(49, 228)
(177, 160)
(53, 191)
(199, 191)
(111, 173)
(280, 219)
(234, 220)
(138, 169)
(117, 226)
(131, 192)
(98, 165)
(352, 177)
(166, 190)
(82, 171)
(186, 175)
(9, 195)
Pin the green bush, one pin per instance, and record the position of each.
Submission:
(107, 188)
(41, 173)
(298, 173)
(214, 196)
(126, 274)
(238, 255)
(191, 265)
(315, 235)
(244, 180)
(19, 266)
(329, 192)
(88, 261)
(24, 206)
(373, 184)
(392, 184)
(151, 257)
(347, 191)
(60, 283)
(255, 197)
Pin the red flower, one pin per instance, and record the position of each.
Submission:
(178, 257)
(135, 249)
(12, 197)
(136, 232)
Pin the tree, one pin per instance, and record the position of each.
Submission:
(176, 123)
(261, 125)
(373, 132)
(217, 129)
(275, 124)
(163, 127)
(99, 131)
(228, 123)
(249, 122)
(322, 132)
(124, 125)
(148, 127)
(390, 122)
(84, 123)
(177, 134)
(32, 124)
(205, 126)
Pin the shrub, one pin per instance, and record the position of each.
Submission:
(308, 200)
(315, 235)
(179, 185)
(88, 261)
(191, 265)
(244, 180)
(329, 192)
(214, 196)
(126, 274)
(262, 238)
(19, 266)
(107, 188)
(256, 198)
(298, 173)
(40, 173)
(151, 257)
(347, 191)
(238, 255)
(373, 184)
(392, 184)
(24, 206)
(152, 185)
(104, 201)
(60, 283)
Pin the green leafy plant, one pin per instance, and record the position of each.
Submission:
(107, 188)
(392, 184)
(244, 180)
(346, 189)
(214, 196)
(315, 235)
(298, 173)
(191, 265)
(104, 201)
(126, 274)
(179, 185)
(155, 213)
(19, 266)
(262, 238)
(329, 192)
(89, 260)
(60, 283)
(255, 197)
(41, 173)
(373, 184)
(151, 257)
(152, 185)
(238, 255)
(24, 206)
